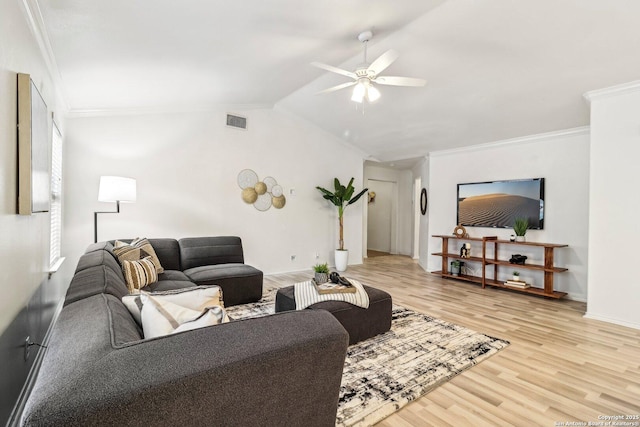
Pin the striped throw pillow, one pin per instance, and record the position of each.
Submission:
(126, 252)
(139, 274)
(138, 249)
(145, 246)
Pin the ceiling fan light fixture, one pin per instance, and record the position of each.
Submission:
(359, 92)
(373, 94)
(367, 73)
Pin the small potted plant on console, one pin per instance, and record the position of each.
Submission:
(516, 276)
(520, 226)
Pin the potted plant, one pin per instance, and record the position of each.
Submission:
(341, 197)
(516, 276)
(455, 268)
(321, 273)
(520, 226)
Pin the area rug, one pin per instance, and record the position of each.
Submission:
(386, 372)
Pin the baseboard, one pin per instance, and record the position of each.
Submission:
(16, 413)
(611, 320)
(576, 297)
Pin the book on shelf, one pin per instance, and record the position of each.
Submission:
(334, 288)
(517, 284)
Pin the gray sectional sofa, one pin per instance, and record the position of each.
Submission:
(283, 369)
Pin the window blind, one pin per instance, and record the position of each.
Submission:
(56, 196)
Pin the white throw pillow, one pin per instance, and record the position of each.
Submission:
(161, 317)
(195, 298)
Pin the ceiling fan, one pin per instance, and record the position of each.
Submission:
(367, 75)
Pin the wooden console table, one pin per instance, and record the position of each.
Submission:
(548, 268)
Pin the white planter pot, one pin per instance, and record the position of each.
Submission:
(342, 259)
(520, 239)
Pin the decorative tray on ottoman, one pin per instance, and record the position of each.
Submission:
(344, 286)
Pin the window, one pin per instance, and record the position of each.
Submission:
(56, 198)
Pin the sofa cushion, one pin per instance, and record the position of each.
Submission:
(139, 274)
(96, 258)
(208, 273)
(193, 297)
(123, 325)
(240, 283)
(100, 246)
(168, 285)
(172, 275)
(168, 252)
(199, 251)
(162, 317)
(96, 280)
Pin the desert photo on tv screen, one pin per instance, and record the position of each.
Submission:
(499, 203)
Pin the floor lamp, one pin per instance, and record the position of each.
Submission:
(114, 189)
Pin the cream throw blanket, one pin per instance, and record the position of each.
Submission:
(306, 294)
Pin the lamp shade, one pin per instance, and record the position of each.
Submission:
(117, 189)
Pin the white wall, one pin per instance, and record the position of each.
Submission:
(186, 166)
(24, 242)
(561, 158)
(402, 241)
(614, 233)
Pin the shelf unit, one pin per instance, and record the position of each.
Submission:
(492, 242)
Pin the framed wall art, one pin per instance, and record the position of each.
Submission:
(34, 180)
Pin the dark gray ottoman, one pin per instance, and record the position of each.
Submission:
(361, 323)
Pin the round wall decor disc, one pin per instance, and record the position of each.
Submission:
(247, 178)
(263, 203)
(260, 188)
(270, 182)
(249, 195)
(277, 191)
(279, 202)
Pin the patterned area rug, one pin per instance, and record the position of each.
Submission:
(386, 372)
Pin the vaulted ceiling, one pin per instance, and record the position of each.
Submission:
(496, 69)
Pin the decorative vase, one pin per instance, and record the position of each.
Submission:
(520, 239)
(321, 278)
(342, 259)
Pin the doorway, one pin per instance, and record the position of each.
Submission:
(380, 217)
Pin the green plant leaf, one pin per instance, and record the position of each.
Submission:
(355, 199)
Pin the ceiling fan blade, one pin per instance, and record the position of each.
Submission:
(334, 88)
(383, 61)
(334, 69)
(400, 81)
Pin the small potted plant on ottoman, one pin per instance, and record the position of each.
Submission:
(321, 273)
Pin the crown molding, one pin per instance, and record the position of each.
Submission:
(38, 28)
(113, 112)
(583, 130)
(611, 91)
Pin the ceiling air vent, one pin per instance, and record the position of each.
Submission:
(237, 122)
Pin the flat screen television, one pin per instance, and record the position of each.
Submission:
(498, 203)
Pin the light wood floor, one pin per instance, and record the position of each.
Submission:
(559, 367)
(372, 254)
